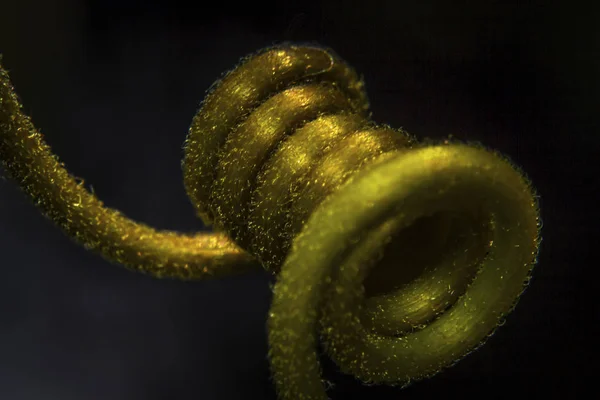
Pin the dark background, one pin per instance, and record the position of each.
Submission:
(114, 84)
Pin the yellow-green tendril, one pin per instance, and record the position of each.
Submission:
(399, 257)
(82, 216)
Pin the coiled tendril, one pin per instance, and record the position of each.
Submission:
(398, 257)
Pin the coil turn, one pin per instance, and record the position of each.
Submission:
(398, 257)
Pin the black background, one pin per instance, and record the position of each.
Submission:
(114, 84)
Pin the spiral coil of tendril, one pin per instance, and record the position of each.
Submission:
(398, 257)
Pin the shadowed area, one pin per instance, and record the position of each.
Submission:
(424, 245)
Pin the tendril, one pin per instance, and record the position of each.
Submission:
(399, 257)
